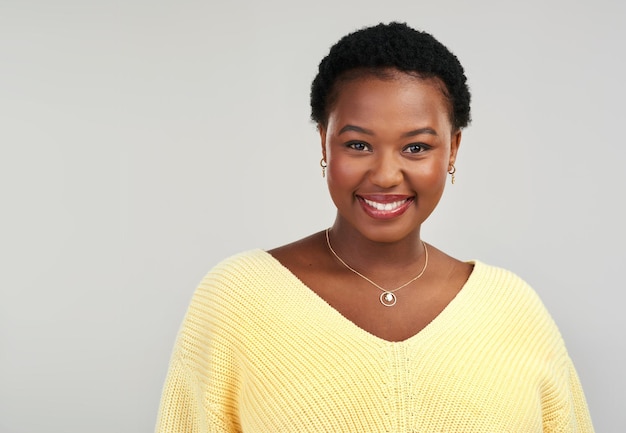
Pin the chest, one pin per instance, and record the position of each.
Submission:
(307, 363)
(389, 313)
(322, 381)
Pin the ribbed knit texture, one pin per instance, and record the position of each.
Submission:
(260, 352)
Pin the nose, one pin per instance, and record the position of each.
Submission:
(386, 171)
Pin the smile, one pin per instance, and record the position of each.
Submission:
(385, 207)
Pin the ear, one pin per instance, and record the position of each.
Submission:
(322, 130)
(455, 142)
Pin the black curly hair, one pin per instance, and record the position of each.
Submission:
(374, 50)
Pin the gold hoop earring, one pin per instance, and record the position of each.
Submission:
(323, 164)
(451, 172)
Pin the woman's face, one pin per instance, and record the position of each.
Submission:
(389, 144)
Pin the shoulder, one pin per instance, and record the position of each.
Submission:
(302, 253)
(229, 284)
(505, 305)
(510, 294)
(500, 280)
(246, 261)
(240, 271)
(503, 285)
(232, 289)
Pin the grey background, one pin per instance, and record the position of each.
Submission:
(142, 142)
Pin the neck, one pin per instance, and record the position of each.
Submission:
(375, 255)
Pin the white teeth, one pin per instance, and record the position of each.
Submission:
(385, 206)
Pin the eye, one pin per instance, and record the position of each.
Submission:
(416, 148)
(358, 145)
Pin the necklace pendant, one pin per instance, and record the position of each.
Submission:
(388, 299)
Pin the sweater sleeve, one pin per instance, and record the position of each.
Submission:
(181, 401)
(580, 412)
(565, 409)
(201, 387)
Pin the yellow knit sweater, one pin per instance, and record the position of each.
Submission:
(259, 351)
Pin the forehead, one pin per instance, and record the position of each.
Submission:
(390, 99)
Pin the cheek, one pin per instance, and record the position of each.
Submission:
(429, 179)
(343, 173)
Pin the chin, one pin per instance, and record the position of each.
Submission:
(389, 233)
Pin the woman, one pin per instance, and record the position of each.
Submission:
(364, 327)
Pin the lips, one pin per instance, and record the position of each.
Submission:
(385, 206)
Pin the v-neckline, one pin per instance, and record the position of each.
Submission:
(449, 310)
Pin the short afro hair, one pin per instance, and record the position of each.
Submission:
(371, 50)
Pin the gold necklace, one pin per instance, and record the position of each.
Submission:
(387, 297)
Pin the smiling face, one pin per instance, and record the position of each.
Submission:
(389, 144)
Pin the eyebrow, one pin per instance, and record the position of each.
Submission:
(355, 129)
(420, 131)
(413, 133)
